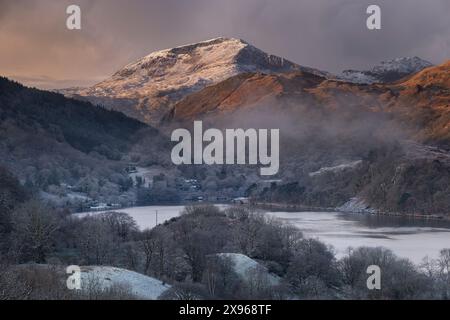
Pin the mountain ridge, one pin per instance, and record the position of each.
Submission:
(149, 88)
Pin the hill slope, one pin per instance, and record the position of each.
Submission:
(47, 141)
(331, 124)
(420, 104)
(80, 124)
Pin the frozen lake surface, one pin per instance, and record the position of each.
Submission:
(413, 239)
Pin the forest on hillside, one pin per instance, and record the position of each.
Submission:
(197, 254)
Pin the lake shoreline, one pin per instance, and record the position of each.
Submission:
(298, 207)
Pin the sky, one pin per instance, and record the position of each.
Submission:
(38, 50)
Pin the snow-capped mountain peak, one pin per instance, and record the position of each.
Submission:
(219, 52)
(192, 67)
(211, 59)
(164, 77)
(402, 65)
(386, 71)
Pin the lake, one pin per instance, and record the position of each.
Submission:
(413, 239)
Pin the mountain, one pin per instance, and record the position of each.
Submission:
(146, 88)
(158, 83)
(384, 143)
(420, 104)
(398, 134)
(386, 71)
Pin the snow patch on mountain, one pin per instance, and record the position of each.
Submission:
(386, 71)
(336, 169)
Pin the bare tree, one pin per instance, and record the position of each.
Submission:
(35, 227)
(121, 224)
(95, 242)
(443, 273)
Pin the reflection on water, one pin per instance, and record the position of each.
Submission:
(409, 238)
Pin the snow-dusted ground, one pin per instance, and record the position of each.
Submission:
(408, 240)
(244, 266)
(356, 205)
(386, 71)
(336, 169)
(141, 286)
(144, 173)
(148, 173)
(404, 65)
(355, 76)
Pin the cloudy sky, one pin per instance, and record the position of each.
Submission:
(37, 49)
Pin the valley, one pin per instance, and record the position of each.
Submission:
(385, 142)
(93, 170)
